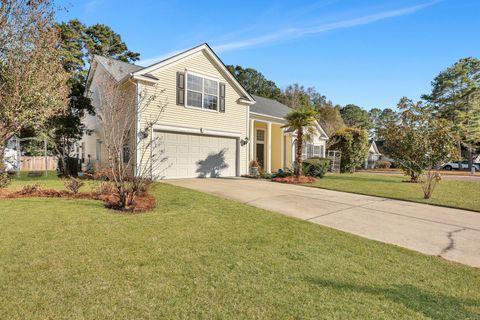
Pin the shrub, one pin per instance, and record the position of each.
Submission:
(430, 181)
(73, 184)
(4, 177)
(30, 189)
(353, 144)
(102, 187)
(383, 164)
(315, 167)
(254, 164)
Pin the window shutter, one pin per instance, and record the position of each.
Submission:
(222, 98)
(180, 88)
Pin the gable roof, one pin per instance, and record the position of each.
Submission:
(273, 108)
(247, 98)
(269, 107)
(118, 69)
(374, 146)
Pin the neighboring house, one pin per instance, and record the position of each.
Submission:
(373, 156)
(211, 126)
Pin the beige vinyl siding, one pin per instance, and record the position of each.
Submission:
(233, 120)
(97, 96)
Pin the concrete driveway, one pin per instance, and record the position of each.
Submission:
(450, 233)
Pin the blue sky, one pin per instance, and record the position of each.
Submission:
(370, 53)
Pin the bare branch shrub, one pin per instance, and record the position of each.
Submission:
(73, 184)
(133, 156)
(429, 182)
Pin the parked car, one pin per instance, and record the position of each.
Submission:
(462, 166)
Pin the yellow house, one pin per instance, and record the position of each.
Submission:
(205, 123)
(272, 143)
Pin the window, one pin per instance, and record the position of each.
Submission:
(126, 154)
(260, 135)
(202, 92)
(97, 150)
(311, 150)
(83, 152)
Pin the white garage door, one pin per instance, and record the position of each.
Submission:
(192, 156)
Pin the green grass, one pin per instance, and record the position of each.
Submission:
(450, 193)
(50, 181)
(201, 257)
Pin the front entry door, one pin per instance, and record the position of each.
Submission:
(260, 147)
(261, 154)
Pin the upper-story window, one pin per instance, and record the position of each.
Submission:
(202, 92)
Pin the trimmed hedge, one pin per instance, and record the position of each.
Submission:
(315, 167)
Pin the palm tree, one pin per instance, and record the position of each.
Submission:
(303, 120)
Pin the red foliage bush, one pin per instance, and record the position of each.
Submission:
(142, 203)
(295, 180)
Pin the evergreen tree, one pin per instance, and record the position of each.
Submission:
(456, 97)
(255, 82)
(79, 44)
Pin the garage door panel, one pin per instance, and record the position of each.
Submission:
(188, 155)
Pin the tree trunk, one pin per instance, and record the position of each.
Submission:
(298, 156)
(413, 177)
(3, 147)
(470, 160)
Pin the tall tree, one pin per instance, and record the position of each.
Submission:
(456, 96)
(328, 114)
(79, 44)
(255, 82)
(380, 119)
(296, 96)
(419, 140)
(330, 119)
(356, 117)
(302, 120)
(33, 85)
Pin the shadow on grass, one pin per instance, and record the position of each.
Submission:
(435, 306)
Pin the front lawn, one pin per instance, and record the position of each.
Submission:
(201, 257)
(451, 193)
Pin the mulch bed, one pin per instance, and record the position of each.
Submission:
(295, 180)
(142, 202)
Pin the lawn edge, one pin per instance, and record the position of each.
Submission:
(394, 198)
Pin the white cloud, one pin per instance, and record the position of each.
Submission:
(293, 33)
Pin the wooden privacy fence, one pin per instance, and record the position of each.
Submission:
(38, 163)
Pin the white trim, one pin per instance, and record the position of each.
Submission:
(145, 79)
(269, 147)
(264, 149)
(271, 117)
(322, 132)
(213, 56)
(282, 151)
(203, 76)
(200, 131)
(251, 131)
(243, 100)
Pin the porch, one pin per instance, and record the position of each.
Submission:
(270, 144)
(273, 146)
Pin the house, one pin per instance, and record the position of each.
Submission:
(209, 126)
(373, 155)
